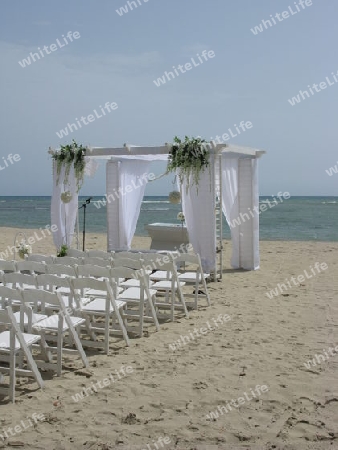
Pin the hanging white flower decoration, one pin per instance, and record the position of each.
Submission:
(180, 216)
(24, 249)
(66, 196)
(175, 197)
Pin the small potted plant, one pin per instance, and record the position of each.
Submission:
(63, 251)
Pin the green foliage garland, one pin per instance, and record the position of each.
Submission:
(189, 157)
(71, 154)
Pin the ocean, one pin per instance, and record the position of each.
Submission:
(296, 219)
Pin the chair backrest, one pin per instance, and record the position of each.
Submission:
(132, 263)
(8, 266)
(158, 262)
(8, 321)
(99, 254)
(44, 298)
(8, 295)
(74, 253)
(52, 282)
(126, 254)
(89, 270)
(94, 261)
(40, 258)
(19, 279)
(191, 258)
(79, 285)
(68, 261)
(31, 267)
(61, 270)
(122, 272)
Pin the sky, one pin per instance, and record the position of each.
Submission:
(116, 58)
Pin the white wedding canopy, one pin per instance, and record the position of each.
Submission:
(232, 178)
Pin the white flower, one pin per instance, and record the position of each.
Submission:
(180, 216)
(66, 196)
(24, 249)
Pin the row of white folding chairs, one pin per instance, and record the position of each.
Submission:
(197, 277)
(154, 262)
(22, 330)
(133, 271)
(114, 277)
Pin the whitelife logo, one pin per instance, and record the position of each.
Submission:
(187, 66)
(284, 14)
(53, 47)
(10, 159)
(91, 118)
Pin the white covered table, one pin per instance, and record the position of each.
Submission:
(167, 236)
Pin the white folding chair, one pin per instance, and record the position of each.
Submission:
(32, 267)
(140, 299)
(196, 277)
(99, 254)
(97, 272)
(14, 343)
(53, 283)
(59, 324)
(7, 266)
(103, 306)
(74, 253)
(95, 261)
(135, 264)
(68, 261)
(21, 280)
(25, 316)
(40, 258)
(61, 270)
(166, 281)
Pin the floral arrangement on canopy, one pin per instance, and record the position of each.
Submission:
(189, 158)
(67, 156)
(175, 197)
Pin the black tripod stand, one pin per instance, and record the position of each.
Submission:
(84, 206)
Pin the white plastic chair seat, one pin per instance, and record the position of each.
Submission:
(132, 282)
(35, 318)
(190, 277)
(5, 341)
(97, 293)
(51, 323)
(22, 286)
(98, 305)
(134, 293)
(104, 279)
(160, 275)
(166, 284)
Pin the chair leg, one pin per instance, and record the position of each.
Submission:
(12, 377)
(123, 329)
(181, 297)
(153, 313)
(206, 291)
(59, 354)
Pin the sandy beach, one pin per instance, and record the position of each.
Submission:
(170, 392)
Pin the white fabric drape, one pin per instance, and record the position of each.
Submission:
(240, 205)
(198, 205)
(63, 215)
(126, 182)
(230, 203)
